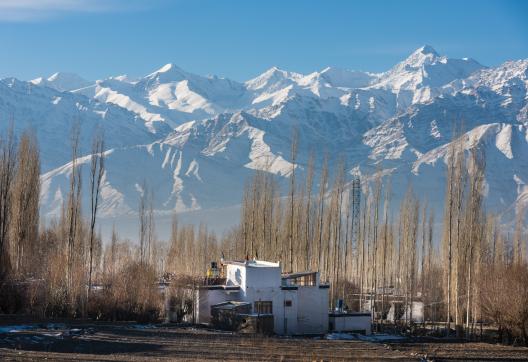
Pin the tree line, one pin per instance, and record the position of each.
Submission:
(371, 250)
(470, 272)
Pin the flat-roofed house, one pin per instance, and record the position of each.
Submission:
(297, 301)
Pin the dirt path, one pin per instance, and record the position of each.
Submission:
(463, 351)
(129, 342)
(135, 343)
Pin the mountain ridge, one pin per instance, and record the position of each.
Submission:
(201, 137)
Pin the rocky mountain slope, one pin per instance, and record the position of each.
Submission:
(194, 140)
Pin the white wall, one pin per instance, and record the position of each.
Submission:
(258, 277)
(312, 310)
(253, 276)
(288, 321)
(236, 275)
(275, 295)
(351, 322)
(308, 313)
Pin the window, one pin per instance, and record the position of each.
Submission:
(307, 280)
(287, 303)
(263, 307)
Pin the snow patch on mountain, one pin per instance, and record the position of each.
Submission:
(263, 159)
(504, 139)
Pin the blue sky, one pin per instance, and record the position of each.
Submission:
(241, 38)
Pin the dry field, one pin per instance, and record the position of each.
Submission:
(130, 342)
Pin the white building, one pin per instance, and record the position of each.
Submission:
(417, 312)
(298, 302)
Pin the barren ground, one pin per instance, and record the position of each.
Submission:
(133, 342)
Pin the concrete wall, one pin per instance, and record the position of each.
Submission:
(351, 323)
(276, 296)
(288, 320)
(258, 283)
(259, 277)
(308, 313)
(253, 276)
(312, 310)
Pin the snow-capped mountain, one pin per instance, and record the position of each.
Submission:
(426, 68)
(62, 81)
(170, 96)
(196, 139)
(419, 78)
(52, 114)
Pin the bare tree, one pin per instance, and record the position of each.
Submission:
(451, 218)
(518, 249)
(97, 170)
(143, 221)
(385, 246)
(321, 210)
(308, 227)
(25, 215)
(151, 233)
(374, 278)
(293, 156)
(74, 208)
(7, 175)
(113, 251)
(473, 225)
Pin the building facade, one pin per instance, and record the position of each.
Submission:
(297, 301)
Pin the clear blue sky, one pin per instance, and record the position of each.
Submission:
(241, 38)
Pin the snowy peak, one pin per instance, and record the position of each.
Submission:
(171, 96)
(169, 72)
(420, 57)
(62, 81)
(420, 77)
(340, 78)
(273, 79)
(166, 68)
(426, 49)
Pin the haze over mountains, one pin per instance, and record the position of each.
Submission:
(195, 140)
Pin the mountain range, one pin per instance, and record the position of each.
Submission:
(195, 140)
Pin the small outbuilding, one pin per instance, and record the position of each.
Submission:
(353, 322)
(229, 315)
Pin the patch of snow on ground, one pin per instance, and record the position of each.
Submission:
(143, 326)
(377, 338)
(16, 328)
